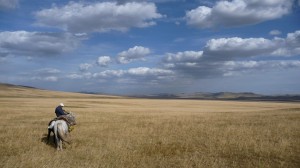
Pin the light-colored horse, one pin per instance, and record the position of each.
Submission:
(60, 129)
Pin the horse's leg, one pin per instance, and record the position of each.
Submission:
(57, 140)
(48, 136)
(60, 144)
(54, 140)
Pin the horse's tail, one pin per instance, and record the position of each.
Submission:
(61, 133)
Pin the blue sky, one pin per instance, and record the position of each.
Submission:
(150, 47)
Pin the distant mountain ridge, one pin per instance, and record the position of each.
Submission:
(224, 96)
(10, 90)
(219, 95)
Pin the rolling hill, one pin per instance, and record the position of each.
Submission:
(9, 90)
(246, 96)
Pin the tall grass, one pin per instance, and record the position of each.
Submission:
(152, 133)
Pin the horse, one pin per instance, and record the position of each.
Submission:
(60, 129)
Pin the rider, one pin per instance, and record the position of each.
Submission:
(61, 115)
(60, 111)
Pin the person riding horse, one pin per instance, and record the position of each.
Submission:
(62, 114)
(60, 111)
(61, 126)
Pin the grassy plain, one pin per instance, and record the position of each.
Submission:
(123, 132)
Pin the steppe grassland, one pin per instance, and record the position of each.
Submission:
(121, 132)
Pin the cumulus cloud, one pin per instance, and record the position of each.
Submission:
(134, 53)
(293, 39)
(8, 4)
(50, 78)
(183, 60)
(36, 43)
(104, 61)
(240, 65)
(220, 57)
(229, 48)
(186, 56)
(85, 75)
(85, 66)
(156, 1)
(236, 47)
(290, 46)
(45, 74)
(109, 74)
(237, 13)
(47, 71)
(231, 68)
(275, 32)
(225, 56)
(141, 74)
(145, 71)
(99, 16)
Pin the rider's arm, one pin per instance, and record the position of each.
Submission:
(66, 112)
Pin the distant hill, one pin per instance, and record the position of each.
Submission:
(219, 95)
(247, 96)
(18, 91)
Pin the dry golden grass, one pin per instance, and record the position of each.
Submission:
(120, 132)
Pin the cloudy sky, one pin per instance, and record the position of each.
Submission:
(149, 47)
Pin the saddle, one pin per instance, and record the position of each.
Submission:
(70, 120)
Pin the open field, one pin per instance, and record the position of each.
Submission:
(123, 132)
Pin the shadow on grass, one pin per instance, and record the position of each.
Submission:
(51, 141)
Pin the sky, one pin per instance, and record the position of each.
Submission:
(130, 47)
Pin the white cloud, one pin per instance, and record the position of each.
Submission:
(99, 17)
(86, 75)
(104, 61)
(8, 4)
(290, 46)
(134, 53)
(225, 56)
(238, 13)
(229, 48)
(145, 71)
(109, 74)
(186, 56)
(47, 71)
(36, 43)
(74, 76)
(51, 78)
(234, 65)
(85, 66)
(293, 39)
(46, 78)
(200, 17)
(231, 68)
(236, 47)
(45, 74)
(183, 61)
(275, 32)
(136, 75)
